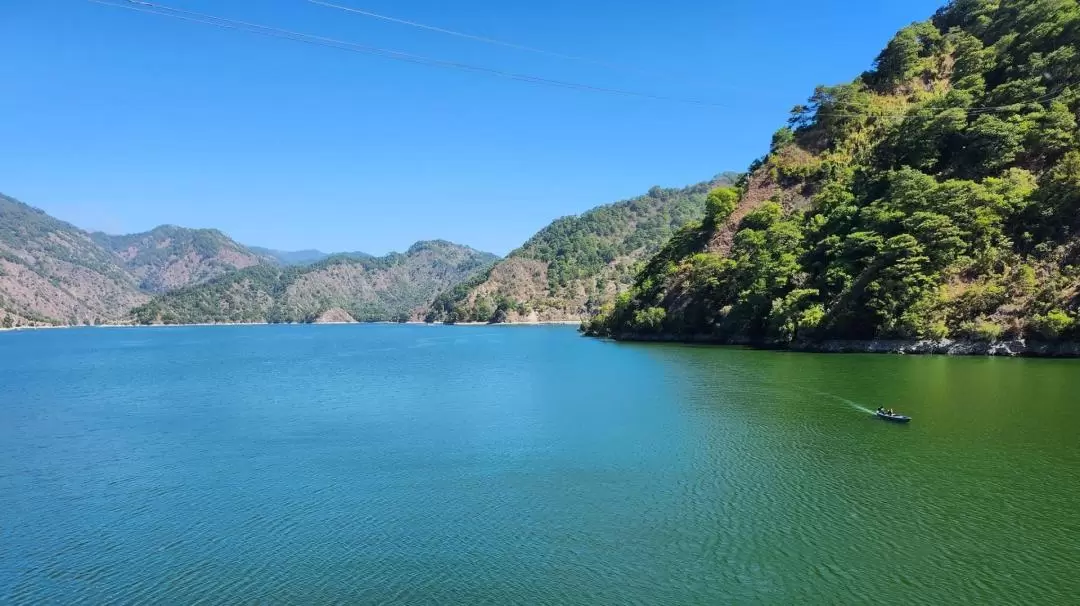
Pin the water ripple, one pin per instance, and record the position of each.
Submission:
(404, 465)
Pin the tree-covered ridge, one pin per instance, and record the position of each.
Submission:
(389, 288)
(936, 196)
(580, 246)
(576, 263)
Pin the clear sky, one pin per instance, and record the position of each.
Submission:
(120, 121)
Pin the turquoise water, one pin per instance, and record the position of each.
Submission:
(415, 464)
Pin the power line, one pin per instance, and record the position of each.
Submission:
(263, 30)
(485, 40)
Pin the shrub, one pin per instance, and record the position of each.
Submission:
(720, 204)
(1053, 324)
(763, 217)
(937, 331)
(983, 330)
(649, 320)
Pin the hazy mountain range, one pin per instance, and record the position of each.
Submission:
(302, 257)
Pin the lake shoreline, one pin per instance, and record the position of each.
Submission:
(463, 324)
(1016, 348)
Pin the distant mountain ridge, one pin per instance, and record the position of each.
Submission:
(302, 257)
(53, 273)
(340, 288)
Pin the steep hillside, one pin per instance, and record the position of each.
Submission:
(936, 196)
(577, 263)
(53, 273)
(336, 289)
(170, 257)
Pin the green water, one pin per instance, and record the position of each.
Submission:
(412, 464)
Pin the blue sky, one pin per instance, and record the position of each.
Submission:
(121, 121)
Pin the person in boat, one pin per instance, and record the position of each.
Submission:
(881, 410)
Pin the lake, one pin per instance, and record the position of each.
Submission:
(430, 464)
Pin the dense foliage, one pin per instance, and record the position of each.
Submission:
(580, 246)
(586, 258)
(369, 289)
(937, 196)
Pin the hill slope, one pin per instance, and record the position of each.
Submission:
(938, 195)
(170, 257)
(54, 273)
(576, 263)
(366, 289)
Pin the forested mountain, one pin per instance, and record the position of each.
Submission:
(936, 196)
(577, 263)
(341, 288)
(52, 272)
(170, 257)
(301, 257)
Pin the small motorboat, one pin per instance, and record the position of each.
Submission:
(895, 418)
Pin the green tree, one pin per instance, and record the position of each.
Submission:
(1058, 208)
(719, 205)
(1053, 324)
(992, 144)
(905, 56)
(796, 312)
(650, 320)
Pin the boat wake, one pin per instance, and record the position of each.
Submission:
(854, 405)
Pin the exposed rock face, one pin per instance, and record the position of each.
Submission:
(335, 315)
(944, 347)
(1018, 347)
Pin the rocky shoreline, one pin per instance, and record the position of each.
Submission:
(945, 347)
